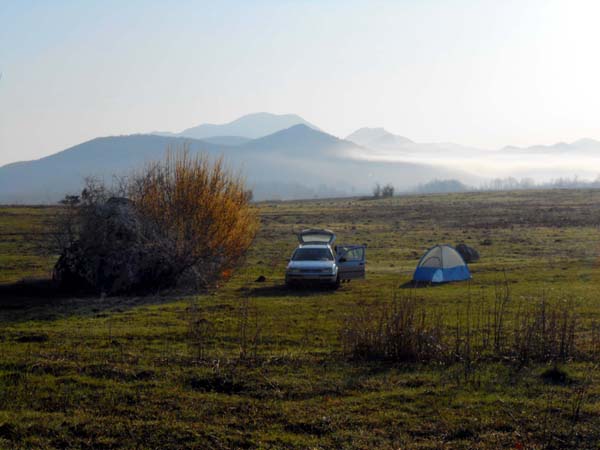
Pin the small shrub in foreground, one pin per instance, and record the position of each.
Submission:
(406, 331)
(400, 331)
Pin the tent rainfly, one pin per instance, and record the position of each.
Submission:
(441, 264)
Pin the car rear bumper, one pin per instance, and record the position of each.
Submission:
(310, 277)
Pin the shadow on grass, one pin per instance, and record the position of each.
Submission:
(412, 284)
(42, 299)
(424, 284)
(281, 290)
(39, 288)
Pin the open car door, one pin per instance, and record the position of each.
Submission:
(351, 261)
(316, 236)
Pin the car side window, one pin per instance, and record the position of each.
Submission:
(356, 254)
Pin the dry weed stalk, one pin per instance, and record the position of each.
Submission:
(405, 330)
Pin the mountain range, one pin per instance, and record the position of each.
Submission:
(281, 157)
(250, 126)
(580, 146)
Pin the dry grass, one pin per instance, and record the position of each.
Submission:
(405, 330)
(121, 372)
(398, 331)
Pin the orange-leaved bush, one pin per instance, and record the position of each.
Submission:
(185, 220)
(198, 213)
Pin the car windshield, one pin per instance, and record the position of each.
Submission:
(312, 254)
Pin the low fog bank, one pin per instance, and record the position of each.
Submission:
(540, 164)
(435, 186)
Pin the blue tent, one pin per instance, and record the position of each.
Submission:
(440, 264)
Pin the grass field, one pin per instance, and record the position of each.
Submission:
(254, 365)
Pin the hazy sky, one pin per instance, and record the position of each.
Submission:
(480, 73)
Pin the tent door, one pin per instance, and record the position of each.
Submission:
(351, 261)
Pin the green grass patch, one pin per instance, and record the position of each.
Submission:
(165, 371)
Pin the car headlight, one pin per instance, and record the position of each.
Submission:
(293, 270)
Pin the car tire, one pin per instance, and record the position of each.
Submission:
(336, 283)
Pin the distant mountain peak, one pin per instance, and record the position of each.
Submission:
(299, 139)
(378, 138)
(301, 128)
(374, 130)
(249, 126)
(584, 145)
(265, 114)
(586, 142)
(368, 133)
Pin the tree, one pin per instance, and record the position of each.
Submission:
(387, 191)
(383, 192)
(377, 190)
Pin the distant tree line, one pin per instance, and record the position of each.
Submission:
(442, 186)
(511, 183)
(505, 184)
(383, 191)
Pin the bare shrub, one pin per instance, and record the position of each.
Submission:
(201, 333)
(183, 219)
(594, 340)
(405, 330)
(544, 332)
(248, 330)
(501, 303)
(64, 227)
(74, 214)
(399, 331)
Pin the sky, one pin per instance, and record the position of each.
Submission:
(479, 73)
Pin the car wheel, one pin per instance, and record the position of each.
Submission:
(336, 283)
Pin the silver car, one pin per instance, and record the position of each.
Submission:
(317, 260)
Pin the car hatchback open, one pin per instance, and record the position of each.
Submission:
(316, 260)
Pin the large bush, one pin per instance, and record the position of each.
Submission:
(181, 220)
